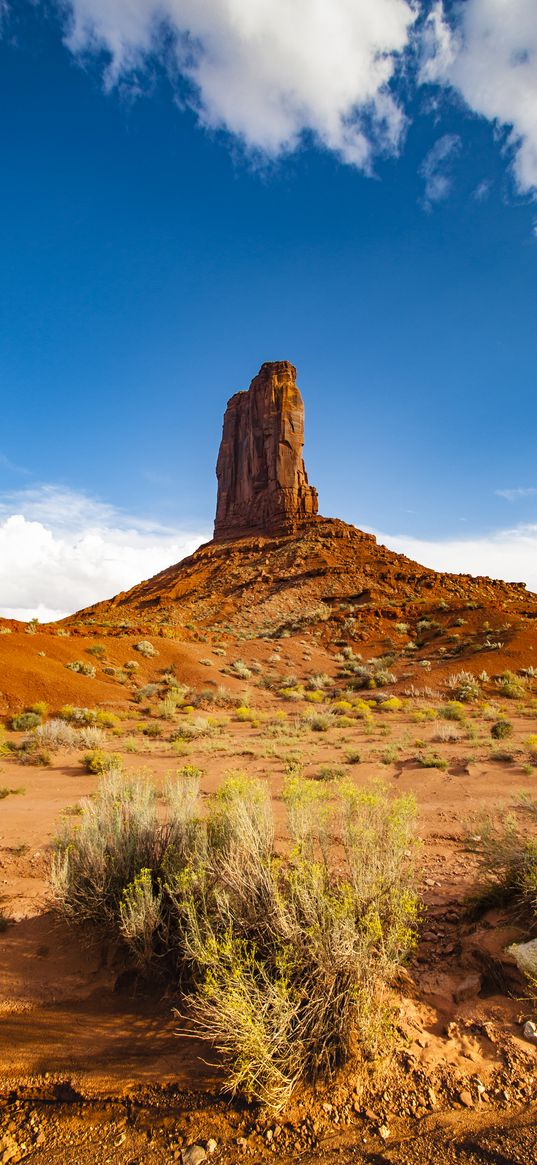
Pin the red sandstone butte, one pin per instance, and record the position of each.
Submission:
(262, 482)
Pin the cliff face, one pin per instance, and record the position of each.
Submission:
(262, 482)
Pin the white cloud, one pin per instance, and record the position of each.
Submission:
(267, 71)
(488, 52)
(507, 554)
(514, 495)
(436, 168)
(61, 550)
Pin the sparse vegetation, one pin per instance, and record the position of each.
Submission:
(25, 721)
(97, 761)
(464, 687)
(84, 669)
(146, 649)
(501, 729)
(287, 961)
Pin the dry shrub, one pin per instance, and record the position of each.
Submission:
(286, 960)
(507, 852)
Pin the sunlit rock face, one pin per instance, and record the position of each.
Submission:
(262, 482)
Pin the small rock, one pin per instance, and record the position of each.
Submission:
(468, 988)
(530, 1031)
(193, 1155)
(384, 1132)
(466, 1098)
(212, 1146)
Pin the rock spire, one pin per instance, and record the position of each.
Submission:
(262, 483)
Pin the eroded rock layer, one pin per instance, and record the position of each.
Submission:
(262, 481)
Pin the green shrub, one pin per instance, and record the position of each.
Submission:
(152, 730)
(100, 762)
(25, 721)
(511, 686)
(330, 773)
(97, 649)
(453, 710)
(501, 729)
(431, 760)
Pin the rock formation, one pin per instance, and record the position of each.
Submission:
(262, 482)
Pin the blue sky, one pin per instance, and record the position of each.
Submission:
(353, 191)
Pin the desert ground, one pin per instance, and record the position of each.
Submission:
(92, 1065)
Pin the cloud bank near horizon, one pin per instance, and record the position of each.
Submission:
(274, 72)
(61, 550)
(507, 554)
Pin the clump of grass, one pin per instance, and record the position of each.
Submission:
(152, 730)
(240, 669)
(6, 792)
(431, 760)
(353, 756)
(463, 686)
(97, 649)
(511, 686)
(286, 961)
(446, 735)
(330, 773)
(319, 721)
(507, 854)
(318, 681)
(146, 692)
(192, 729)
(167, 708)
(453, 710)
(91, 736)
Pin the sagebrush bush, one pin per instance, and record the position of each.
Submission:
(24, 721)
(84, 669)
(511, 686)
(76, 715)
(286, 960)
(507, 853)
(464, 686)
(192, 729)
(146, 648)
(57, 733)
